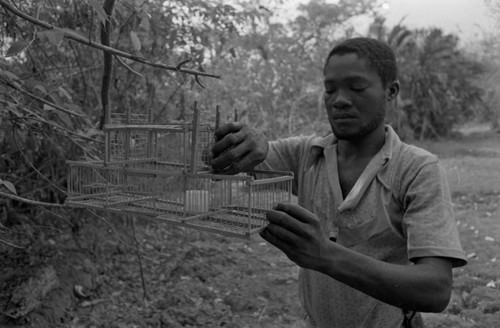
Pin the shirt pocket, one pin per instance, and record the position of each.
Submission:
(366, 219)
(364, 211)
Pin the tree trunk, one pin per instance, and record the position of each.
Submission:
(108, 63)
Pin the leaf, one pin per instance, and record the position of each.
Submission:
(54, 36)
(16, 47)
(9, 75)
(65, 119)
(101, 13)
(9, 186)
(145, 24)
(48, 107)
(65, 93)
(135, 41)
(40, 88)
(145, 18)
(56, 99)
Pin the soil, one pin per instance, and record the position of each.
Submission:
(191, 279)
(176, 277)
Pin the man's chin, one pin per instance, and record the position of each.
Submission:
(346, 135)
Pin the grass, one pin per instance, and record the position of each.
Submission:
(473, 168)
(472, 162)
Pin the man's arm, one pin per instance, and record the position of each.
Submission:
(425, 286)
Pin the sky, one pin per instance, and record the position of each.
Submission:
(467, 18)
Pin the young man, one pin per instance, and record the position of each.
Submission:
(373, 231)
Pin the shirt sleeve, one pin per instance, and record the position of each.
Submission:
(286, 155)
(428, 221)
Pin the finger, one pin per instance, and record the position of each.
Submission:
(282, 220)
(244, 161)
(227, 128)
(230, 159)
(227, 142)
(296, 211)
(276, 238)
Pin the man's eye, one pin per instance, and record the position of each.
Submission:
(330, 91)
(358, 88)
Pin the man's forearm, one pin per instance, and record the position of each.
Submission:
(425, 286)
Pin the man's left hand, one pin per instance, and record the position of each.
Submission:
(298, 233)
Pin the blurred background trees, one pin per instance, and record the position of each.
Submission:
(271, 68)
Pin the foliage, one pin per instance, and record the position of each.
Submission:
(275, 77)
(49, 87)
(439, 81)
(271, 69)
(490, 55)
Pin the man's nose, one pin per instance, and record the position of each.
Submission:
(341, 100)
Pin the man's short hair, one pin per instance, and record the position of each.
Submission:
(379, 55)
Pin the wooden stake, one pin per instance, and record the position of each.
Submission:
(217, 117)
(194, 137)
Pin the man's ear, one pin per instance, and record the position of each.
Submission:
(392, 90)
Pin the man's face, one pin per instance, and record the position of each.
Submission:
(354, 97)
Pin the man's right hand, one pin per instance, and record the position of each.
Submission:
(238, 148)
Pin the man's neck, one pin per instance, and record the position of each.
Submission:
(365, 147)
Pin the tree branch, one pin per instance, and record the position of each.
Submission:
(72, 35)
(30, 201)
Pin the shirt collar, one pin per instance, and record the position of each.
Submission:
(391, 142)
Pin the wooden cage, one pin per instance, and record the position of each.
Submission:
(162, 172)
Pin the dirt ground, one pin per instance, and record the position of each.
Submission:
(92, 272)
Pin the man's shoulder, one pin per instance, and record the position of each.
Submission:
(405, 155)
(408, 161)
(414, 157)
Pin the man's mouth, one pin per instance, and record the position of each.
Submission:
(343, 116)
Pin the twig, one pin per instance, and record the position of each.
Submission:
(139, 258)
(40, 119)
(20, 230)
(128, 67)
(11, 245)
(94, 302)
(112, 227)
(59, 216)
(62, 109)
(30, 163)
(72, 35)
(30, 201)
